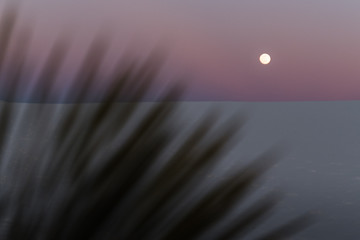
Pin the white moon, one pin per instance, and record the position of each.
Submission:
(265, 58)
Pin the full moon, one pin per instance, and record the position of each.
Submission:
(265, 58)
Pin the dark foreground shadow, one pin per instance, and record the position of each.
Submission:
(111, 170)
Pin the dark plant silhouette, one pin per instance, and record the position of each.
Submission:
(112, 170)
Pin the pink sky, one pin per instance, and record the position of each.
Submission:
(315, 45)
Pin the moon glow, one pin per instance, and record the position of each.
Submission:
(265, 58)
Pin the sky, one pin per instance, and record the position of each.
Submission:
(315, 50)
(314, 45)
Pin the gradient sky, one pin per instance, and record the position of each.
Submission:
(315, 45)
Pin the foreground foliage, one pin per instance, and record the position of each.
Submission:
(111, 170)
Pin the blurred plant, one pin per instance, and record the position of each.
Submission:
(110, 170)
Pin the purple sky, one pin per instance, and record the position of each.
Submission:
(315, 45)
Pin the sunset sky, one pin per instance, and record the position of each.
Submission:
(314, 45)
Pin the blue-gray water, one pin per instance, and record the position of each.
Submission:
(320, 167)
